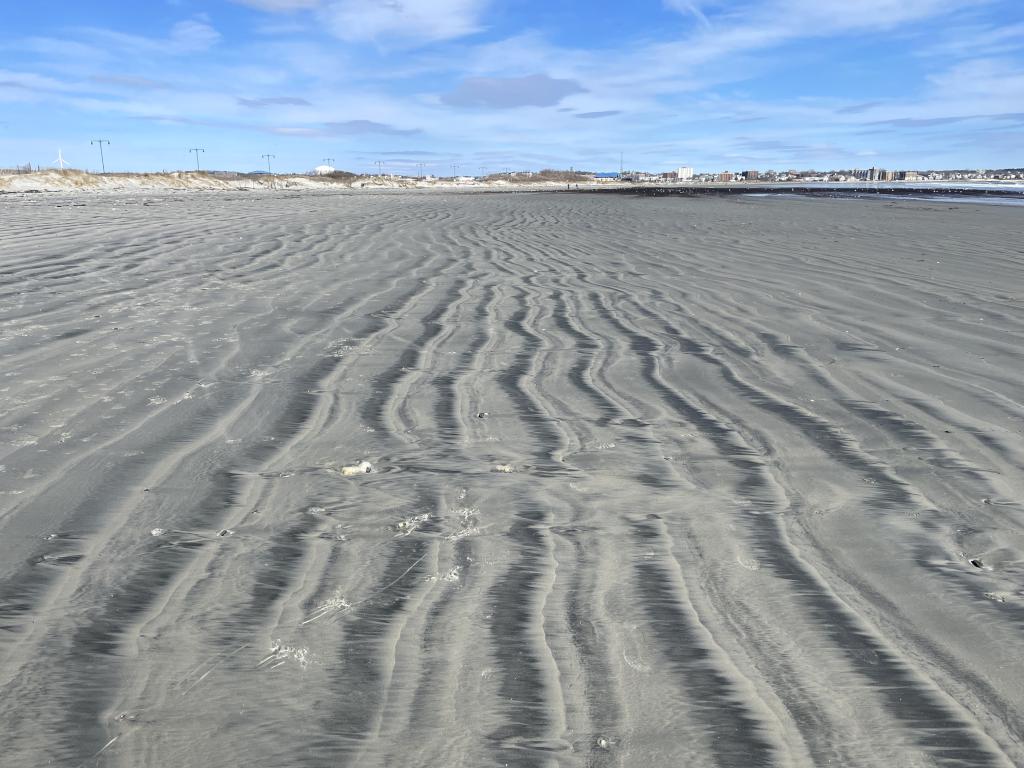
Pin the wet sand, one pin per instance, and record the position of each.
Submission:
(654, 482)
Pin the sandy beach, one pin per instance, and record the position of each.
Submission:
(548, 479)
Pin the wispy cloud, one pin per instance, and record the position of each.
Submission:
(189, 36)
(295, 101)
(128, 81)
(596, 115)
(411, 153)
(510, 92)
(185, 37)
(856, 109)
(360, 127)
(919, 122)
(690, 7)
(402, 21)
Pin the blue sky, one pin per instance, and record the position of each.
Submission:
(495, 84)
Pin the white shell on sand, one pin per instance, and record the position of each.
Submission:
(361, 468)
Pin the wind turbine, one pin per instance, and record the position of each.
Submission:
(60, 159)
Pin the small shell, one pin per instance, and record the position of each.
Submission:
(504, 468)
(357, 469)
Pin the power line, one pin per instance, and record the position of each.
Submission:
(101, 142)
(197, 150)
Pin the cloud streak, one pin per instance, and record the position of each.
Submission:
(512, 92)
(362, 127)
(598, 115)
(273, 101)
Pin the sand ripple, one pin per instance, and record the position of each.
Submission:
(436, 480)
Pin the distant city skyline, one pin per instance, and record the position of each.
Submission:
(428, 84)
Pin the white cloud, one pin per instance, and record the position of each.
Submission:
(188, 36)
(998, 84)
(418, 21)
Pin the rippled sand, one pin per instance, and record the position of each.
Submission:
(653, 482)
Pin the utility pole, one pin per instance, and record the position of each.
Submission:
(197, 150)
(380, 167)
(455, 170)
(101, 142)
(268, 157)
(329, 161)
(482, 169)
(421, 166)
(620, 165)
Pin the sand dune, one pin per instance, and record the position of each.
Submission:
(652, 482)
(82, 183)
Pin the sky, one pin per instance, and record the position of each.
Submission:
(481, 86)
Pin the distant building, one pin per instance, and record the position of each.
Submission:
(908, 176)
(751, 175)
(884, 175)
(726, 176)
(685, 173)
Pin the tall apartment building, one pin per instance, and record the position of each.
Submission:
(751, 175)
